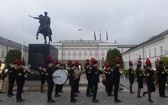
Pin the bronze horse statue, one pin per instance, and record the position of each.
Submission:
(43, 29)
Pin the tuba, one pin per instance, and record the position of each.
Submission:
(78, 71)
(2, 68)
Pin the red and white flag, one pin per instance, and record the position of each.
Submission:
(79, 29)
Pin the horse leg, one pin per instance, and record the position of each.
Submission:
(45, 40)
(37, 36)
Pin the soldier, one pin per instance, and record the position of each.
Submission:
(161, 73)
(43, 76)
(57, 87)
(116, 79)
(49, 76)
(19, 80)
(109, 78)
(72, 80)
(88, 76)
(140, 76)
(12, 76)
(149, 80)
(77, 79)
(95, 78)
(131, 76)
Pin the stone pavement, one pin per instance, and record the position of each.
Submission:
(37, 98)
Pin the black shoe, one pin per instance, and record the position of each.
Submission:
(119, 101)
(13, 94)
(57, 95)
(131, 92)
(76, 95)
(9, 95)
(73, 101)
(19, 100)
(89, 95)
(143, 94)
(95, 101)
(60, 91)
(50, 101)
(110, 95)
(150, 100)
(139, 96)
(77, 92)
(0, 100)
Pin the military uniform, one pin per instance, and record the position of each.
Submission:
(49, 73)
(42, 78)
(20, 82)
(57, 87)
(94, 81)
(161, 79)
(131, 78)
(72, 82)
(109, 80)
(12, 77)
(149, 73)
(88, 76)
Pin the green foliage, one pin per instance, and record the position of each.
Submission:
(11, 56)
(111, 55)
(165, 61)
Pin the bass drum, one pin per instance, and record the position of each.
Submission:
(60, 76)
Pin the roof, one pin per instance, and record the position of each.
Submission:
(151, 39)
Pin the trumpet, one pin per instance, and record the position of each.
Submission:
(78, 71)
(27, 68)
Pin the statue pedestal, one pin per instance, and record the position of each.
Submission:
(38, 54)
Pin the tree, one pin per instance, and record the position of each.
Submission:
(165, 61)
(11, 56)
(111, 55)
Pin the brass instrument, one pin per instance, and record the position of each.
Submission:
(27, 68)
(78, 71)
(2, 67)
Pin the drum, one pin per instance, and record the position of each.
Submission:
(60, 76)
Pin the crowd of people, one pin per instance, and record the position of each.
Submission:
(17, 72)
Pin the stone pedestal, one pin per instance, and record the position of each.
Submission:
(38, 54)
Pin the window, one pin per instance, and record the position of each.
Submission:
(149, 53)
(3, 53)
(155, 52)
(161, 50)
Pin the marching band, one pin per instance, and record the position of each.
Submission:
(17, 72)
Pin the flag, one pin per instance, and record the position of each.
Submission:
(79, 29)
(106, 35)
(100, 36)
(94, 35)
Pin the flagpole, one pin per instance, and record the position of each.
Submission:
(106, 41)
(23, 39)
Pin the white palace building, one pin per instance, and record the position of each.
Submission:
(153, 48)
(85, 49)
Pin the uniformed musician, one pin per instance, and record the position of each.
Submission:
(131, 76)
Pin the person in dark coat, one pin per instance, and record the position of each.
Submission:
(57, 87)
(61, 86)
(88, 76)
(131, 76)
(161, 73)
(109, 78)
(42, 76)
(116, 79)
(49, 77)
(12, 77)
(78, 78)
(19, 80)
(95, 78)
(140, 76)
(72, 80)
(149, 73)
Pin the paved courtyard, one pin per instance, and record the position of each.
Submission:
(37, 98)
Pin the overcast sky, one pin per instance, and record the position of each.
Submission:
(126, 21)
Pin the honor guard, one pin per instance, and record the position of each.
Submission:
(109, 78)
(161, 73)
(95, 78)
(57, 87)
(12, 77)
(49, 76)
(116, 79)
(131, 76)
(140, 75)
(42, 76)
(72, 80)
(149, 73)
